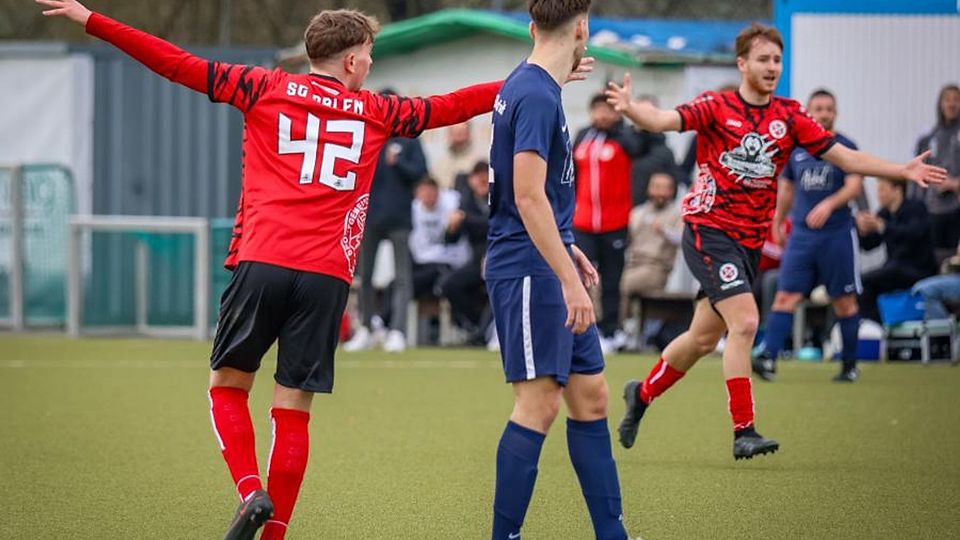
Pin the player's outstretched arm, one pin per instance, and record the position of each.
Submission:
(235, 84)
(71, 9)
(160, 56)
(529, 181)
(645, 115)
(855, 161)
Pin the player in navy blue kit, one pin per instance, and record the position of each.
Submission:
(536, 280)
(822, 249)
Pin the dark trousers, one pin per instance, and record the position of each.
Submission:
(466, 291)
(401, 287)
(888, 278)
(426, 279)
(945, 229)
(606, 250)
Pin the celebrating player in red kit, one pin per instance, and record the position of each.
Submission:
(310, 147)
(744, 139)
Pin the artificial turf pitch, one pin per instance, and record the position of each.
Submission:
(111, 439)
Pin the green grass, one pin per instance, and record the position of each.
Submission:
(111, 439)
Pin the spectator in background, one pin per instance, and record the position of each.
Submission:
(943, 201)
(903, 225)
(465, 287)
(462, 153)
(433, 256)
(655, 228)
(653, 156)
(938, 291)
(402, 163)
(602, 155)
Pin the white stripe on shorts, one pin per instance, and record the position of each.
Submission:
(527, 332)
(856, 260)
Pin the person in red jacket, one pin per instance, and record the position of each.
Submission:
(311, 143)
(603, 156)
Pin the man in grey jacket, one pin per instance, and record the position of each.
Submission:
(943, 202)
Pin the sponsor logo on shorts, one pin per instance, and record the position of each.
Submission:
(729, 274)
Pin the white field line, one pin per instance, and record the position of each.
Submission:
(194, 364)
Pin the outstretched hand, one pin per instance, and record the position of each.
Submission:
(619, 96)
(71, 9)
(582, 71)
(922, 173)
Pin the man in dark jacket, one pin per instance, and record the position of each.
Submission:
(464, 288)
(402, 164)
(903, 225)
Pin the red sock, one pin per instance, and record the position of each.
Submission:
(288, 461)
(740, 392)
(234, 431)
(661, 377)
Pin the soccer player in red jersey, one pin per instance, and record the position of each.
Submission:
(310, 147)
(744, 139)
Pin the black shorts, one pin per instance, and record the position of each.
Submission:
(264, 303)
(723, 267)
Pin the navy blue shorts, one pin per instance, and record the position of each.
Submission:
(530, 314)
(826, 258)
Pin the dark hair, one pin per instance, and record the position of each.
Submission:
(941, 119)
(548, 15)
(597, 99)
(902, 186)
(388, 91)
(480, 167)
(751, 33)
(331, 32)
(821, 92)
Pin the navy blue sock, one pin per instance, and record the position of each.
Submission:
(849, 329)
(592, 458)
(517, 457)
(779, 325)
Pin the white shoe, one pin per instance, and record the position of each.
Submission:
(608, 346)
(361, 341)
(395, 342)
(493, 344)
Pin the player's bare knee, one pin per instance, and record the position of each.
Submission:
(745, 327)
(845, 306)
(786, 301)
(292, 398)
(705, 343)
(587, 397)
(231, 378)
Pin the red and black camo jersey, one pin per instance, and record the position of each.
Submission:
(741, 150)
(310, 147)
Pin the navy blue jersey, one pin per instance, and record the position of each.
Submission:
(527, 117)
(814, 180)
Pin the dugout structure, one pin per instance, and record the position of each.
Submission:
(199, 231)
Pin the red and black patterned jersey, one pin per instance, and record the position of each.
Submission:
(310, 147)
(741, 150)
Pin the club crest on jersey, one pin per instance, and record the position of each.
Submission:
(353, 226)
(778, 129)
(751, 162)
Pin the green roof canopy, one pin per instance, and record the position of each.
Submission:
(451, 24)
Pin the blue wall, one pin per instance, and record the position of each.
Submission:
(783, 11)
